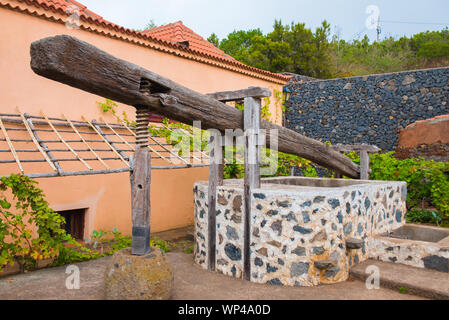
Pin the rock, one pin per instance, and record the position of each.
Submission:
(436, 263)
(258, 262)
(130, 277)
(348, 86)
(299, 268)
(271, 269)
(334, 203)
(222, 200)
(347, 229)
(274, 243)
(263, 252)
(320, 236)
(302, 230)
(277, 227)
(299, 251)
(324, 264)
(237, 204)
(234, 253)
(231, 233)
(331, 272)
(353, 243)
(408, 79)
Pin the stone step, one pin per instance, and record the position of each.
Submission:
(421, 282)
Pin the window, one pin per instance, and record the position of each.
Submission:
(74, 222)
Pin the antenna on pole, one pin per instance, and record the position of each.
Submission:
(378, 29)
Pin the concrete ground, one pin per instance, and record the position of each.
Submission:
(191, 283)
(423, 282)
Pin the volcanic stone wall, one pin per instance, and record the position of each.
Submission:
(369, 109)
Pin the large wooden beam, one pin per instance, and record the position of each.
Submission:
(78, 64)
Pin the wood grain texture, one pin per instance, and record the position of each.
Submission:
(254, 92)
(140, 201)
(215, 180)
(364, 165)
(76, 63)
(252, 173)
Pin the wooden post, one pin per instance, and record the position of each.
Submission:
(252, 173)
(140, 187)
(364, 150)
(364, 165)
(140, 201)
(215, 179)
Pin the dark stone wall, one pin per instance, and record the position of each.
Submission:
(369, 109)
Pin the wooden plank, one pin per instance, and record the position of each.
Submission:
(140, 201)
(76, 63)
(85, 142)
(252, 173)
(356, 148)
(65, 143)
(227, 96)
(364, 165)
(11, 146)
(33, 135)
(215, 180)
(106, 141)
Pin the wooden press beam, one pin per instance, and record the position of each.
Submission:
(76, 63)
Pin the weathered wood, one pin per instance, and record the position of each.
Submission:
(364, 165)
(85, 142)
(356, 148)
(215, 180)
(64, 142)
(363, 150)
(41, 146)
(11, 146)
(252, 173)
(254, 92)
(76, 63)
(140, 201)
(107, 141)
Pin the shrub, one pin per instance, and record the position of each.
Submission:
(30, 212)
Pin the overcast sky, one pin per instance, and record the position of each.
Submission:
(347, 17)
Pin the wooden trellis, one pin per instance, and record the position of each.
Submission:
(99, 148)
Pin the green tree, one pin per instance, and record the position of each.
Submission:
(213, 38)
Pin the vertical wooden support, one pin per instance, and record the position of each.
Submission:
(215, 180)
(252, 173)
(364, 165)
(140, 201)
(140, 187)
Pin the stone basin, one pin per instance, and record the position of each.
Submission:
(304, 231)
(414, 245)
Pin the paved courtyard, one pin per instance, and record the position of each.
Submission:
(191, 283)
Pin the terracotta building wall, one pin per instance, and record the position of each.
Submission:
(106, 197)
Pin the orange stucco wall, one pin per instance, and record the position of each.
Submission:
(106, 197)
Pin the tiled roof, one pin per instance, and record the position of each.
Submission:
(177, 32)
(444, 117)
(166, 40)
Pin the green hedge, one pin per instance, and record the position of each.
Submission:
(427, 181)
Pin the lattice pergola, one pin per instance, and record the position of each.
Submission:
(41, 146)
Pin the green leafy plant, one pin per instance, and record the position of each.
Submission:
(165, 246)
(424, 216)
(29, 230)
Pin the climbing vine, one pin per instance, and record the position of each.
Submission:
(29, 229)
